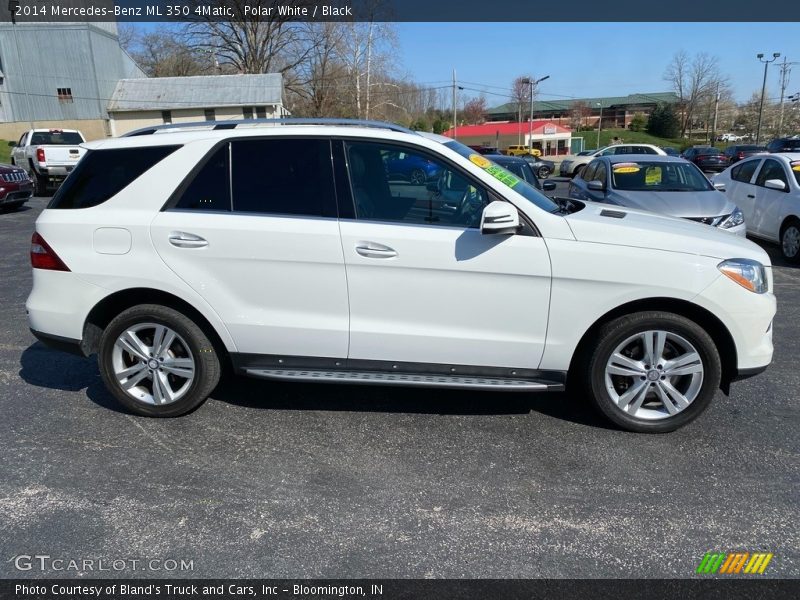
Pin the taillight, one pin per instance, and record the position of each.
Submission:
(740, 155)
(43, 256)
(40, 154)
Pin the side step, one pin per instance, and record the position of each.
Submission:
(408, 379)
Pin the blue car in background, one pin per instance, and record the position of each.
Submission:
(410, 167)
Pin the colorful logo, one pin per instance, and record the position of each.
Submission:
(734, 563)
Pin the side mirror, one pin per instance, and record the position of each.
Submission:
(775, 184)
(549, 186)
(12, 144)
(720, 187)
(499, 217)
(597, 186)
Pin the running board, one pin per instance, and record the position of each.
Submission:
(408, 379)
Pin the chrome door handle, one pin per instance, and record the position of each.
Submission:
(374, 250)
(186, 240)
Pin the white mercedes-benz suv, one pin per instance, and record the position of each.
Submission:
(301, 250)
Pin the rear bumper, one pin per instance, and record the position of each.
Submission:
(57, 342)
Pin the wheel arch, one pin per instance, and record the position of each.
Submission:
(719, 333)
(786, 220)
(113, 304)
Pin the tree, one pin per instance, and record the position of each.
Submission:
(578, 113)
(638, 122)
(694, 80)
(474, 111)
(161, 54)
(521, 94)
(663, 122)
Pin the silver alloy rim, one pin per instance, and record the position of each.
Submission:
(153, 364)
(417, 177)
(654, 375)
(791, 241)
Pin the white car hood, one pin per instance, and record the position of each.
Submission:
(642, 229)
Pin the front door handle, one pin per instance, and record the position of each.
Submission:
(182, 239)
(750, 196)
(375, 250)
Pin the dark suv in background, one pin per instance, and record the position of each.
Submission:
(738, 152)
(789, 144)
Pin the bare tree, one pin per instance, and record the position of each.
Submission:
(521, 94)
(160, 54)
(579, 111)
(474, 111)
(694, 80)
(318, 82)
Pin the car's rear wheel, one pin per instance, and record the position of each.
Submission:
(157, 362)
(39, 185)
(652, 371)
(790, 241)
(543, 173)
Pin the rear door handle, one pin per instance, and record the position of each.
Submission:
(375, 250)
(182, 239)
(750, 196)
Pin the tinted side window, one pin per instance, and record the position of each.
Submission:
(210, 188)
(283, 176)
(101, 174)
(600, 172)
(771, 169)
(744, 171)
(588, 174)
(391, 183)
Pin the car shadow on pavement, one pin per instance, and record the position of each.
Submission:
(51, 369)
(47, 368)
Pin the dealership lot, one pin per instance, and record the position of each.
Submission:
(299, 480)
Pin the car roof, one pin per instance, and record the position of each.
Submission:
(623, 158)
(501, 158)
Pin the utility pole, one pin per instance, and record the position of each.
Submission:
(786, 70)
(716, 112)
(533, 83)
(599, 124)
(760, 57)
(455, 120)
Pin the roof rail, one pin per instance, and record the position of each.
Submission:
(232, 124)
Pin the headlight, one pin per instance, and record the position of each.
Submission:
(733, 219)
(749, 274)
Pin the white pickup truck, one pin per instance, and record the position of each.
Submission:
(48, 155)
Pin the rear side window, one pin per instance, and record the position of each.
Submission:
(210, 189)
(102, 174)
(283, 176)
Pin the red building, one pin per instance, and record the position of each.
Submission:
(547, 136)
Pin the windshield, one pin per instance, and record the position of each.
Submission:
(56, 138)
(507, 178)
(651, 176)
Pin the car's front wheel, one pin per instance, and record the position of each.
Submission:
(543, 173)
(157, 362)
(652, 371)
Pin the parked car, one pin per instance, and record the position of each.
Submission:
(410, 167)
(16, 187)
(767, 189)
(788, 144)
(729, 137)
(288, 253)
(670, 151)
(662, 184)
(543, 168)
(516, 150)
(572, 167)
(48, 155)
(523, 168)
(587, 152)
(707, 158)
(738, 152)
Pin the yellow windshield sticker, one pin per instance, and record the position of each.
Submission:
(626, 168)
(795, 166)
(502, 175)
(477, 159)
(652, 176)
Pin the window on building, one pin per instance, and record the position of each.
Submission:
(247, 112)
(210, 114)
(64, 94)
(166, 117)
(261, 112)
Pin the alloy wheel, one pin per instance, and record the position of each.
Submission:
(790, 241)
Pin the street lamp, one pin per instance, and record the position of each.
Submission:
(763, 91)
(599, 123)
(533, 83)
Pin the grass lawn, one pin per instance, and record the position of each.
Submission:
(5, 152)
(635, 137)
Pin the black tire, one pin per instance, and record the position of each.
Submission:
(543, 173)
(593, 368)
(39, 185)
(790, 226)
(206, 363)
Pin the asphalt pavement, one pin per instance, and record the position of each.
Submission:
(302, 480)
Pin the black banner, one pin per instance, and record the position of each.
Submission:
(27, 11)
(394, 589)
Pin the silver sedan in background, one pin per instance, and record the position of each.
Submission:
(661, 184)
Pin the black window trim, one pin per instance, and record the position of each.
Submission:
(530, 230)
(174, 198)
